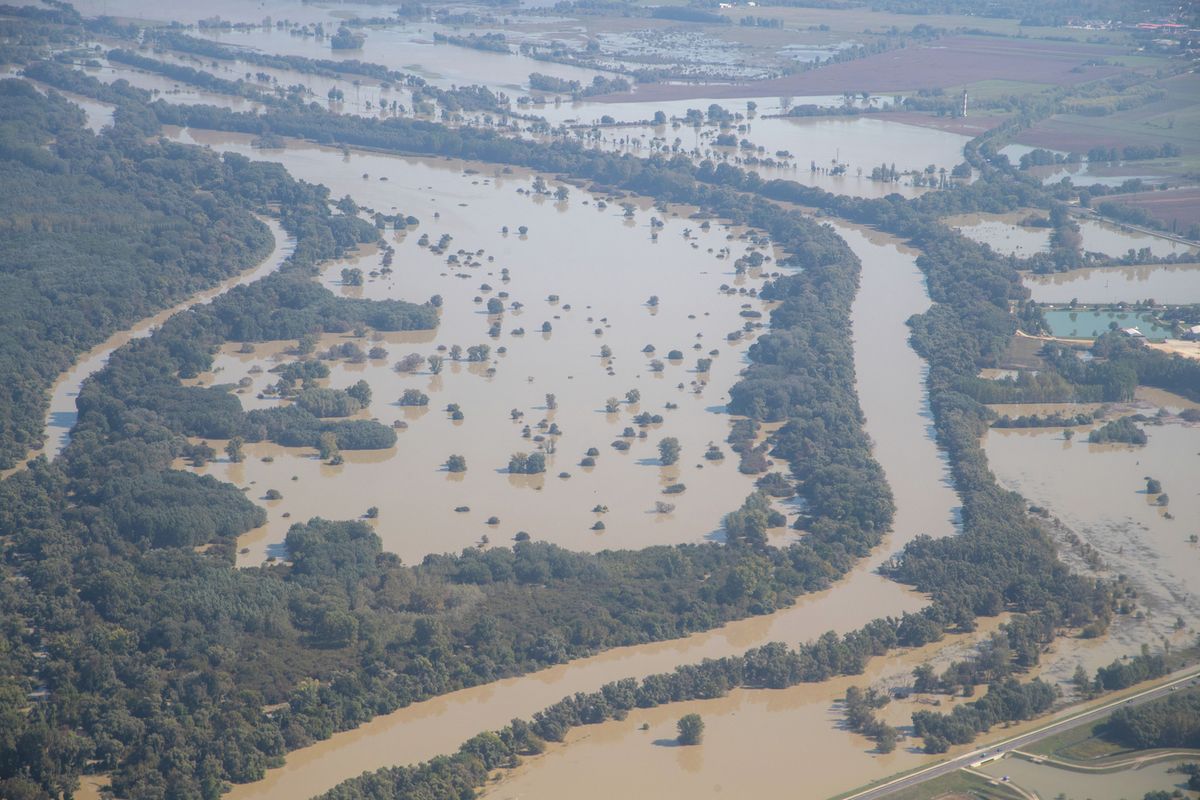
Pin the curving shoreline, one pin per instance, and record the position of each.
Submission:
(61, 413)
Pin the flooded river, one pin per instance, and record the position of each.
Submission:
(890, 385)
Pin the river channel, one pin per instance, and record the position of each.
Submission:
(891, 390)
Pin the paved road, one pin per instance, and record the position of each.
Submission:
(1026, 739)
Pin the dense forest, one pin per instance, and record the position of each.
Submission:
(92, 238)
(1173, 721)
(156, 658)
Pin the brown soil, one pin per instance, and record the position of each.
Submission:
(1179, 206)
(967, 126)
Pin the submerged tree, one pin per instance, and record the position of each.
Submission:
(691, 729)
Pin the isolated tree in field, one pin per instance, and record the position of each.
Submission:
(233, 449)
(456, 463)
(885, 738)
(612, 405)
(495, 305)
(352, 277)
(551, 401)
(436, 363)
(605, 351)
(456, 352)
(633, 396)
(668, 450)
(561, 194)
(691, 729)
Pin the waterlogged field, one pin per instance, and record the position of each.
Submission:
(813, 146)
(411, 48)
(1099, 492)
(1170, 283)
(1048, 780)
(1005, 234)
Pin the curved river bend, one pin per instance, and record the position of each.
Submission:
(892, 393)
(62, 413)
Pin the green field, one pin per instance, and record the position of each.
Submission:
(1077, 744)
(957, 784)
(1175, 119)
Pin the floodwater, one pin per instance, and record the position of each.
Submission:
(1164, 283)
(98, 115)
(752, 740)
(1003, 232)
(410, 48)
(603, 268)
(229, 10)
(1099, 492)
(1116, 240)
(62, 414)
(1005, 235)
(590, 111)
(890, 385)
(166, 88)
(819, 141)
(1048, 780)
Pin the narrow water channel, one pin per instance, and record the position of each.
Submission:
(62, 413)
(891, 389)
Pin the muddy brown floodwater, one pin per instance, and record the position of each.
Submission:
(602, 267)
(1006, 235)
(1165, 283)
(1099, 492)
(890, 385)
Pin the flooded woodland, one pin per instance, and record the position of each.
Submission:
(586, 327)
(891, 390)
